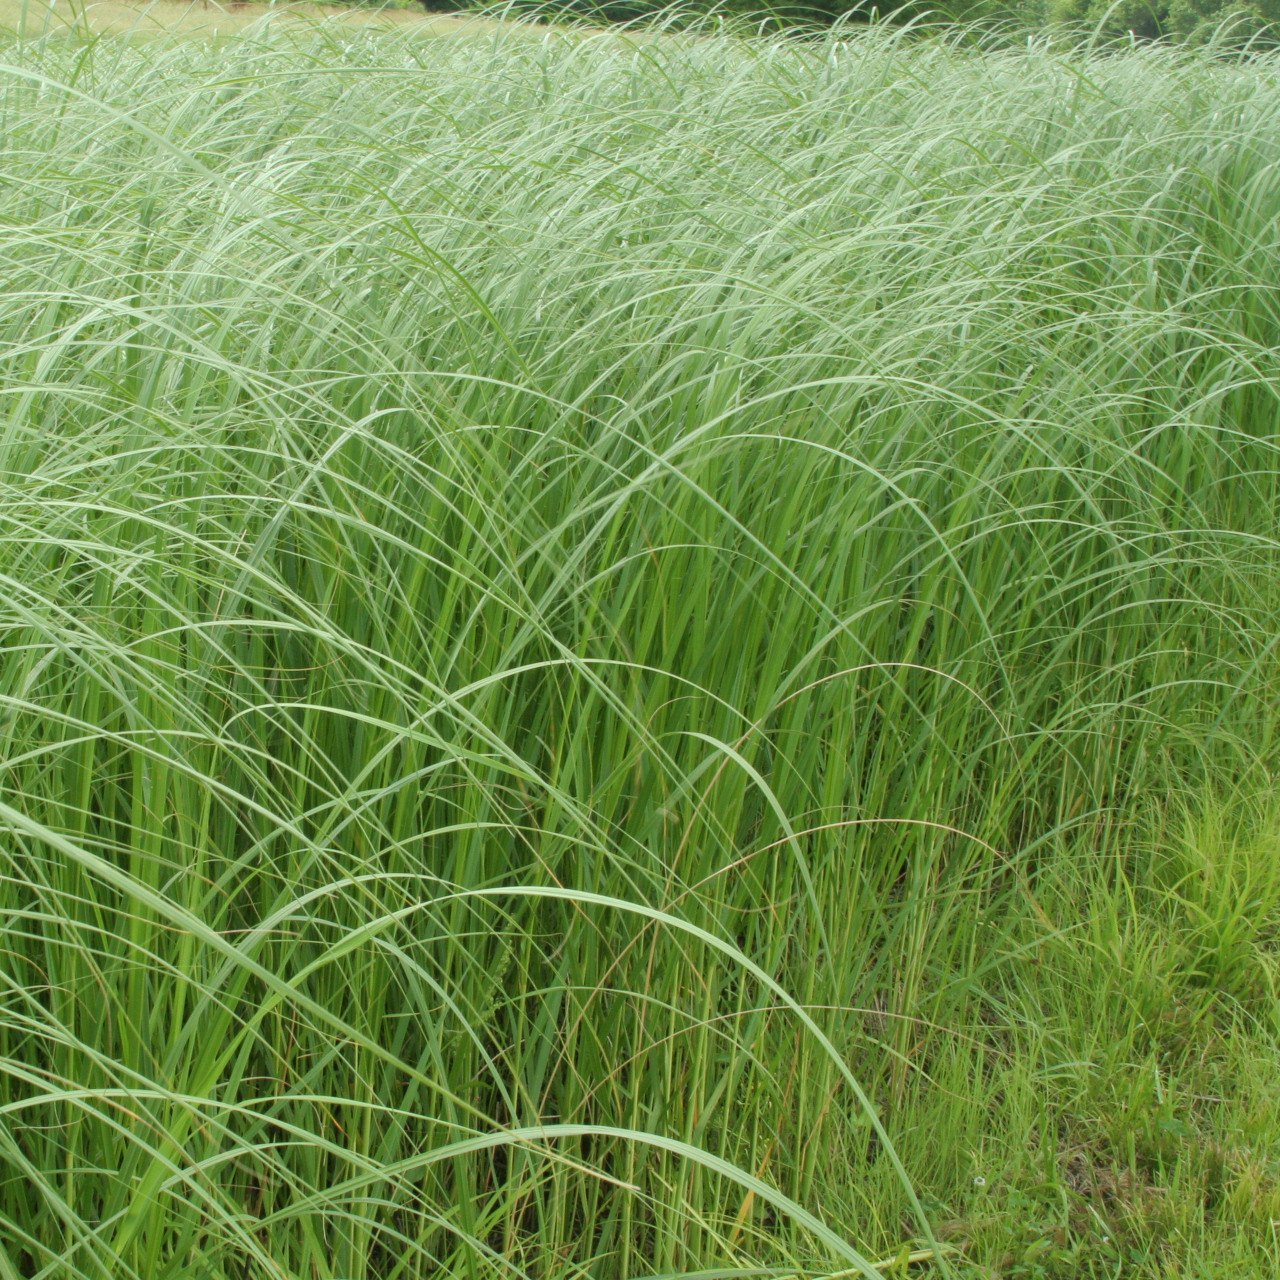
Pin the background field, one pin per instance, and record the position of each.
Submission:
(624, 657)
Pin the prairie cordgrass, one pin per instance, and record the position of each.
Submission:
(626, 656)
(148, 20)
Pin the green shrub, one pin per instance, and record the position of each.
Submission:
(1227, 22)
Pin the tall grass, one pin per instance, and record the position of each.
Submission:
(577, 609)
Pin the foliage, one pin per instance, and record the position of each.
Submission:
(625, 655)
(1225, 23)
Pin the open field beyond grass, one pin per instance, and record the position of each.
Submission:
(623, 659)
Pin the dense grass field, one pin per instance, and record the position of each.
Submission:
(631, 656)
(216, 20)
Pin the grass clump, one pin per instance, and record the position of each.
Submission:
(625, 656)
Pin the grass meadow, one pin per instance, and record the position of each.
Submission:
(143, 21)
(630, 656)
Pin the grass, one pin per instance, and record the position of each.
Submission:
(625, 658)
(158, 19)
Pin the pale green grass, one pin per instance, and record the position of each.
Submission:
(629, 657)
(209, 18)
